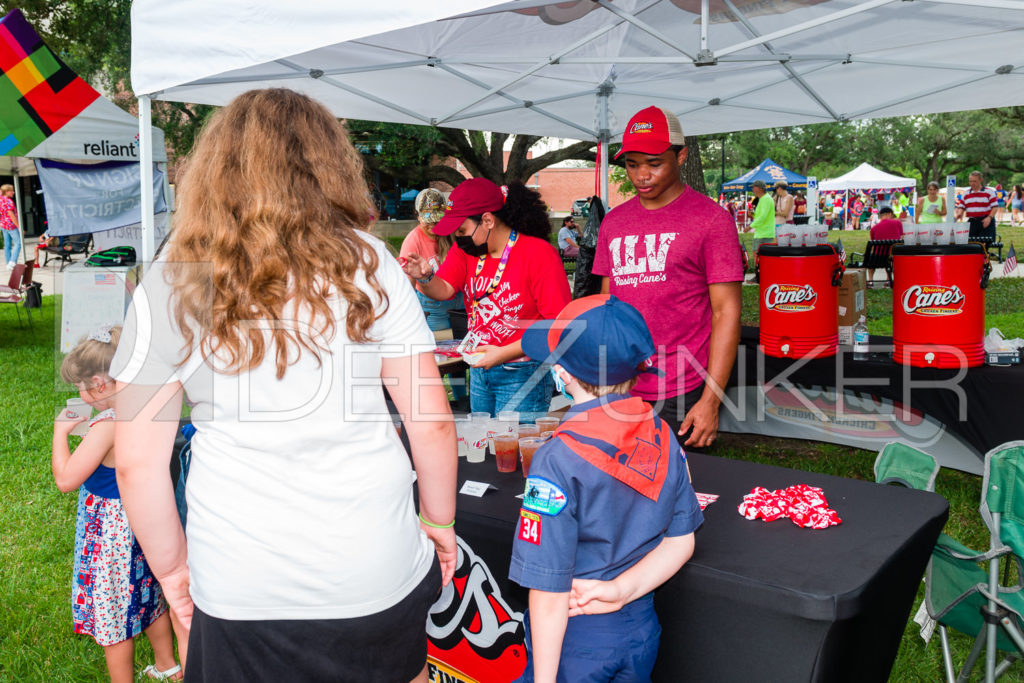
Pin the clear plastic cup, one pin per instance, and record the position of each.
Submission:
(909, 234)
(547, 424)
(785, 236)
(509, 416)
(961, 233)
(527, 447)
(940, 233)
(480, 417)
(461, 423)
(493, 429)
(506, 450)
(924, 234)
(527, 430)
(820, 233)
(476, 441)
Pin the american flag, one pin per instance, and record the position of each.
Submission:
(1010, 264)
(106, 279)
(841, 250)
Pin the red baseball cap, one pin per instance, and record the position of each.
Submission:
(652, 131)
(471, 198)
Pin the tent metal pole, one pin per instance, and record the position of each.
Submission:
(18, 206)
(950, 198)
(146, 176)
(812, 198)
(604, 135)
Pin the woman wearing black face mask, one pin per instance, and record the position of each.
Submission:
(510, 275)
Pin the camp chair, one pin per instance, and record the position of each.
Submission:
(898, 463)
(73, 245)
(14, 292)
(963, 590)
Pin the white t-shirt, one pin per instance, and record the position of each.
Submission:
(299, 491)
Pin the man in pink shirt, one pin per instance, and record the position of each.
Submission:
(887, 227)
(674, 254)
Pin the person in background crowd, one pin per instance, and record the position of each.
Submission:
(674, 254)
(763, 223)
(9, 226)
(856, 212)
(510, 275)
(784, 206)
(421, 240)
(979, 206)
(932, 207)
(1000, 203)
(1016, 201)
(867, 213)
(900, 204)
(799, 204)
(568, 236)
(281, 318)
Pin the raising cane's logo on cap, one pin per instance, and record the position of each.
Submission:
(472, 633)
(641, 127)
(790, 298)
(933, 300)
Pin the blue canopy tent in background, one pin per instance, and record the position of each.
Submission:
(768, 171)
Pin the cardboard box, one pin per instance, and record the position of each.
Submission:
(851, 303)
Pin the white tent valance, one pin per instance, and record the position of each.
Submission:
(866, 177)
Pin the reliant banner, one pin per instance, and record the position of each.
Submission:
(92, 198)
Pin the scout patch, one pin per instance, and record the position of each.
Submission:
(544, 497)
(529, 527)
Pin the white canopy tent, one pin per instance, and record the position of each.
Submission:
(866, 177)
(579, 69)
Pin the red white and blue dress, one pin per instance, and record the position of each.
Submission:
(114, 595)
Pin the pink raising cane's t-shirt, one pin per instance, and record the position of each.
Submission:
(661, 261)
(533, 287)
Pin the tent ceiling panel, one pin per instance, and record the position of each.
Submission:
(783, 62)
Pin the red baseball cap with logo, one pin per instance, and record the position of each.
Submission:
(471, 198)
(652, 131)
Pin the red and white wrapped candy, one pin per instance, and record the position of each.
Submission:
(804, 505)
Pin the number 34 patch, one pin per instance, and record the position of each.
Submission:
(529, 527)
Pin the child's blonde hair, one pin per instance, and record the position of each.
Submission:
(90, 357)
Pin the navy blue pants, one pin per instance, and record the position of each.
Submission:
(621, 646)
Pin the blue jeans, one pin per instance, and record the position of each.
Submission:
(525, 386)
(12, 245)
(620, 646)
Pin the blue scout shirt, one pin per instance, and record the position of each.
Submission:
(601, 494)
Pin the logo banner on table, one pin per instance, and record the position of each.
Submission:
(94, 198)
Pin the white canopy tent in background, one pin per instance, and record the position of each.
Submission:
(580, 69)
(866, 177)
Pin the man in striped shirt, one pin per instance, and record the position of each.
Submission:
(979, 205)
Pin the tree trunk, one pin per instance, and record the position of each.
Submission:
(693, 170)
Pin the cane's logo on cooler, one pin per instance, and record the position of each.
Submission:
(933, 300)
(790, 298)
(472, 633)
(641, 127)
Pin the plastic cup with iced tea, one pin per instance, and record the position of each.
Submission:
(506, 447)
(547, 424)
(527, 447)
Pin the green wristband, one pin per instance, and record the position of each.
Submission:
(449, 525)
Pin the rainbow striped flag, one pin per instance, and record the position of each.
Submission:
(38, 92)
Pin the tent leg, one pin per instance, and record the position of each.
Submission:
(603, 136)
(146, 177)
(21, 214)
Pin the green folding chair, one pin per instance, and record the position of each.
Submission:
(963, 590)
(898, 463)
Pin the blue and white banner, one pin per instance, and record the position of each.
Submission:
(92, 198)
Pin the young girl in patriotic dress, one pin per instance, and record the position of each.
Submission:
(114, 596)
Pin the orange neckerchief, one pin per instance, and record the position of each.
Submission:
(623, 439)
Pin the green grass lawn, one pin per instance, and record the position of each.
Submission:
(36, 641)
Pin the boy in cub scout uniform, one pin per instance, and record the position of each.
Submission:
(608, 513)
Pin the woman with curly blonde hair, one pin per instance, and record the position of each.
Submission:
(280, 318)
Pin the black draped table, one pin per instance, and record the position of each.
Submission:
(758, 601)
(955, 415)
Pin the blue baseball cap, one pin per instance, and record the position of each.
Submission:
(599, 339)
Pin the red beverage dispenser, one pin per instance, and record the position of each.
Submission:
(938, 305)
(799, 300)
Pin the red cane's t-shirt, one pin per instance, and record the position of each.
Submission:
(533, 287)
(661, 261)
